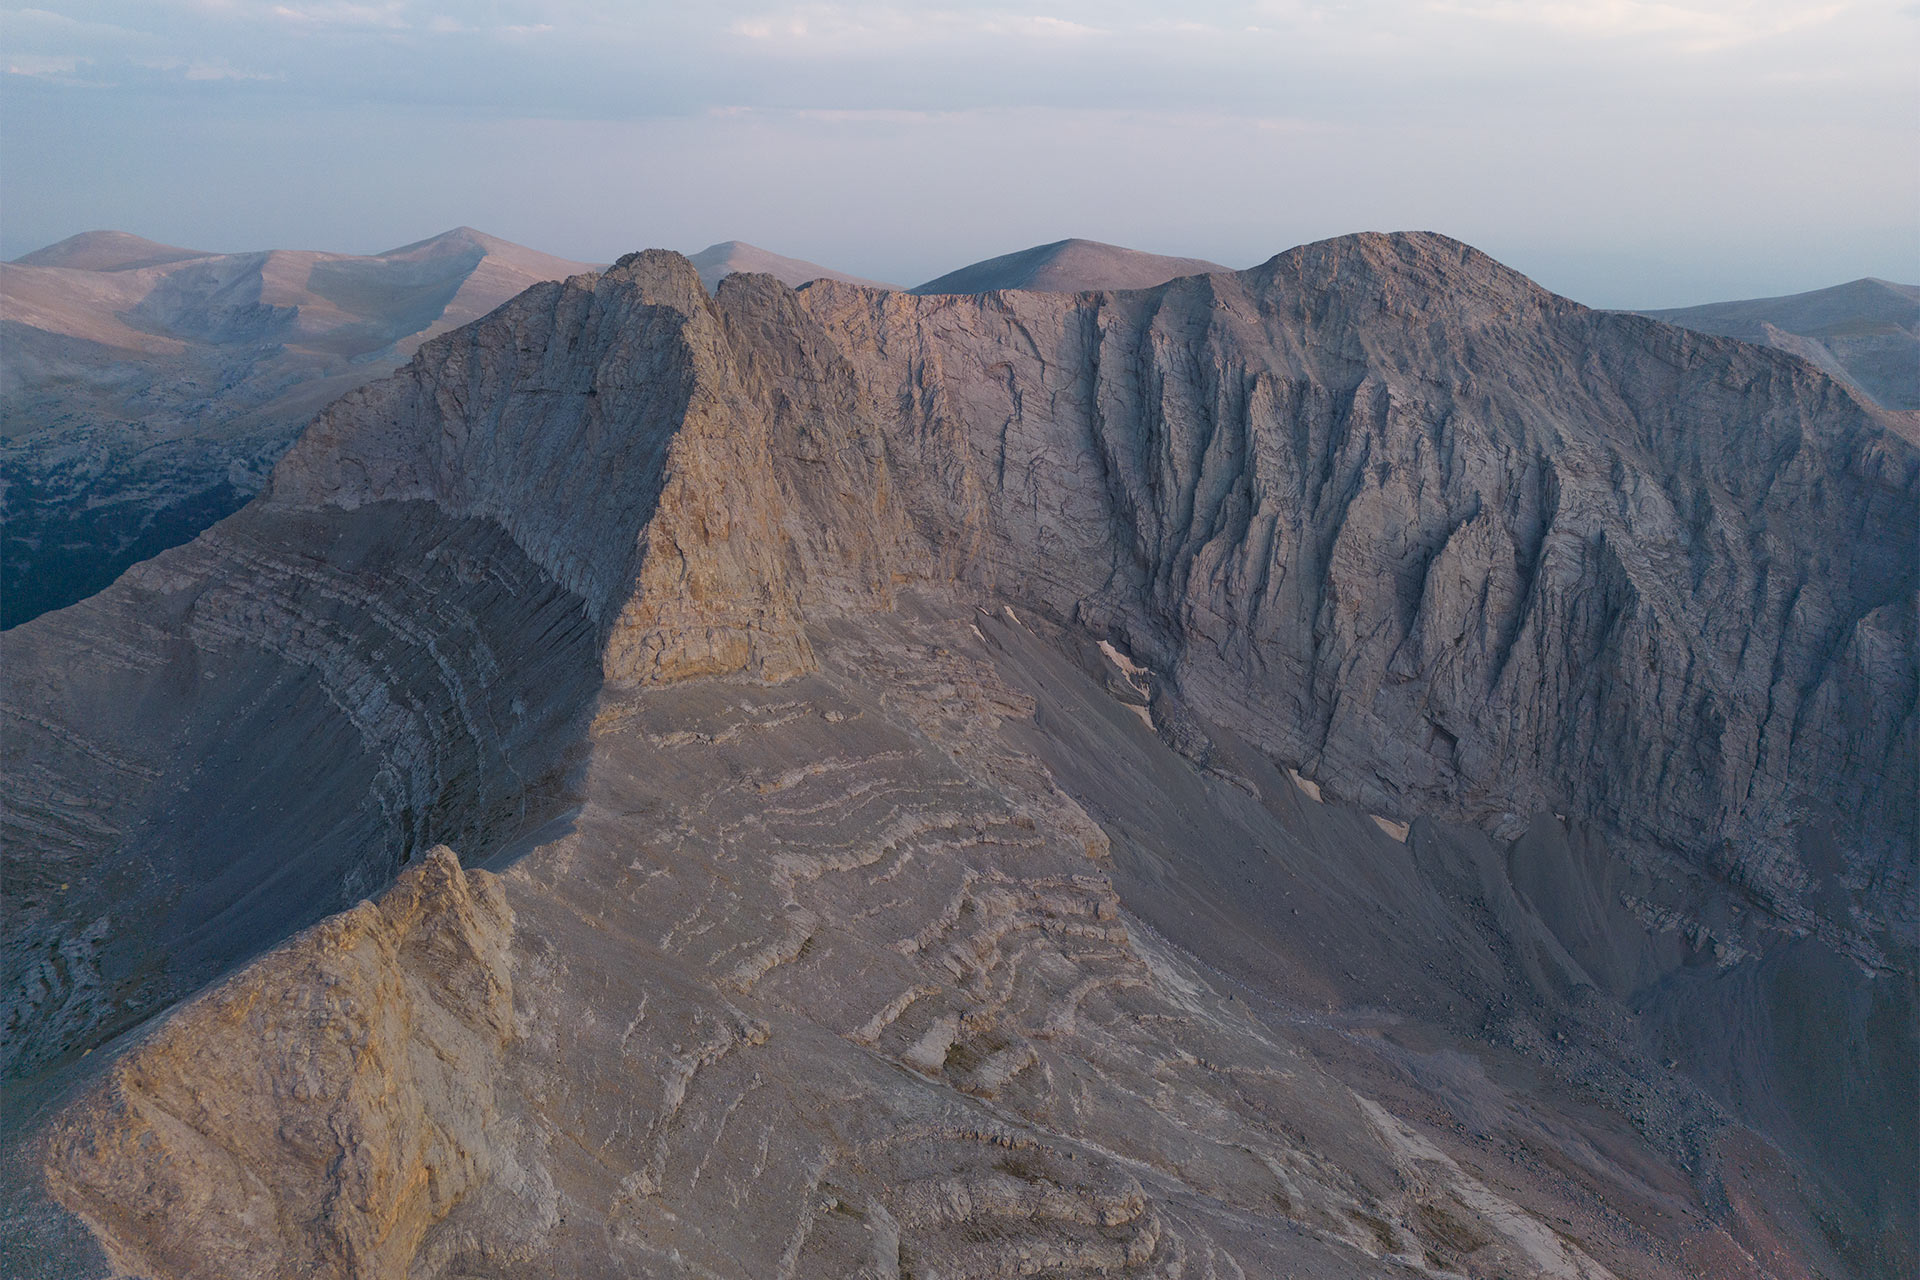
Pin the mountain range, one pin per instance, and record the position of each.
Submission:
(148, 388)
(1356, 766)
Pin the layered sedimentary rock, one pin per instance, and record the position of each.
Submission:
(1520, 557)
(1357, 764)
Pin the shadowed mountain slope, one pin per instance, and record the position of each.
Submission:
(1351, 766)
(148, 390)
(731, 257)
(1866, 333)
(1069, 266)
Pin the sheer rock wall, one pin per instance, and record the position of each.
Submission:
(1619, 618)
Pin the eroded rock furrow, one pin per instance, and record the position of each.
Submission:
(1356, 764)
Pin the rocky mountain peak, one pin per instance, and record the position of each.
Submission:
(661, 275)
(1080, 776)
(1412, 267)
(1509, 468)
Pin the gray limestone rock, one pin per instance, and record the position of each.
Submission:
(1360, 764)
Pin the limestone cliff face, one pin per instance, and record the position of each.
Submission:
(1454, 545)
(593, 421)
(322, 1112)
(1448, 543)
(876, 646)
(1459, 546)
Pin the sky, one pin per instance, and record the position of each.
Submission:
(1623, 152)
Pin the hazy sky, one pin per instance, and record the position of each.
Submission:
(1625, 152)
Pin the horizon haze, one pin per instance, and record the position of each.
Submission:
(1627, 155)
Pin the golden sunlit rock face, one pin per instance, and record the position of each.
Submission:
(321, 1112)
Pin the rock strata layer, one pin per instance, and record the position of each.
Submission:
(1356, 764)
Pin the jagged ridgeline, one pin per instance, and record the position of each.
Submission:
(1355, 763)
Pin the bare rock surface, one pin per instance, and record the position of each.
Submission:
(148, 390)
(1865, 333)
(1069, 266)
(320, 1113)
(1461, 594)
(286, 682)
(1355, 767)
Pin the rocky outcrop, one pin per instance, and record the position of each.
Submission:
(1556, 576)
(1496, 591)
(1516, 557)
(320, 1113)
(339, 685)
(1182, 780)
(608, 450)
(1502, 594)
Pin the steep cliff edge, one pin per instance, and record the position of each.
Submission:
(322, 1112)
(872, 600)
(1448, 543)
(1453, 545)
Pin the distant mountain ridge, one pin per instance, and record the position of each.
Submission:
(148, 388)
(1865, 332)
(730, 257)
(107, 251)
(1069, 266)
(137, 295)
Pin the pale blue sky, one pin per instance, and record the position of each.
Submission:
(1625, 152)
